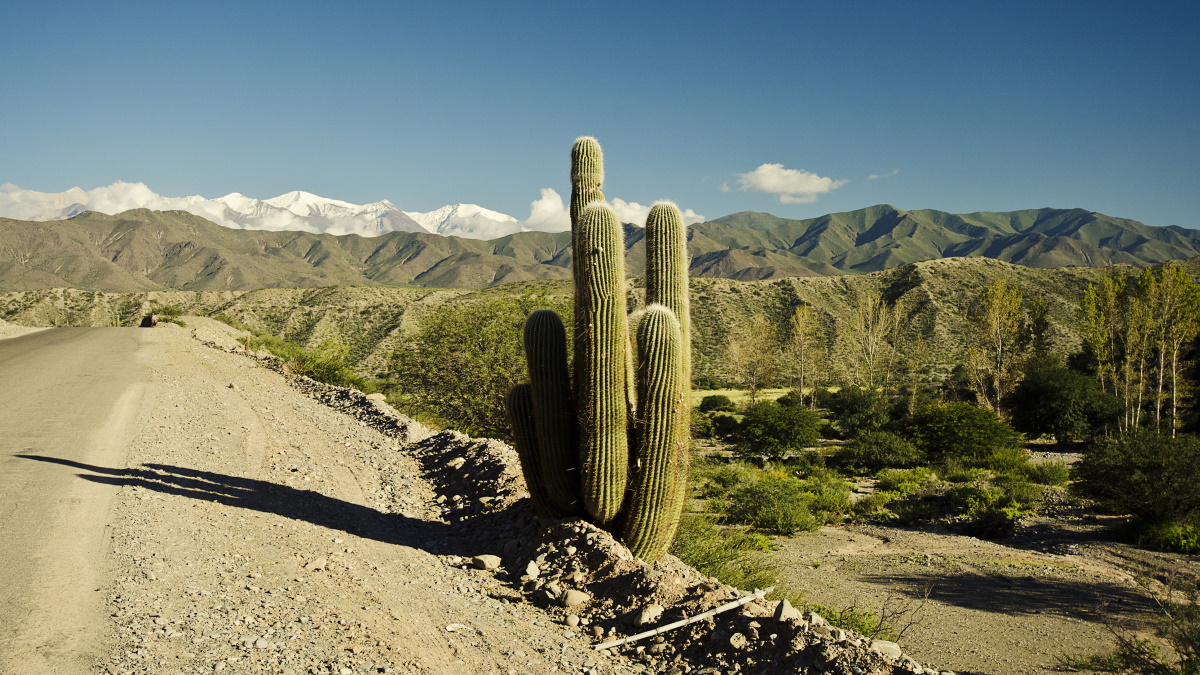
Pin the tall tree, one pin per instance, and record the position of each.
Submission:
(1173, 307)
(1038, 336)
(868, 338)
(1117, 327)
(752, 352)
(803, 350)
(997, 326)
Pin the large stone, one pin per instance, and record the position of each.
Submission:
(574, 597)
(887, 648)
(785, 611)
(650, 614)
(486, 562)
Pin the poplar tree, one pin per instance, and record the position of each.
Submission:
(997, 327)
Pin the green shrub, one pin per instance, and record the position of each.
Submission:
(1054, 472)
(873, 451)
(907, 481)
(464, 358)
(715, 402)
(1170, 535)
(725, 426)
(1063, 403)
(968, 500)
(856, 411)
(326, 363)
(861, 621)
(785, 505)
(1153, 477)
(875, 505)
(169, 311)
(953, 471)
(702, 425)
(772, 430)
(724, 553)
(717, 479)
(168, 314)
(959, 431)
(1012, 460)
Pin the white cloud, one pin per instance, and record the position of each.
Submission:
(549, 214)
(792, 186)
(877, 176)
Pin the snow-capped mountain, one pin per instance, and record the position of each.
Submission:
(306, 212)
(309, 213)
(468, 220)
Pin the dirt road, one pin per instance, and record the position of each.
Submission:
(66, 394)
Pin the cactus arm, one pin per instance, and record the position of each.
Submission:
(553, 409)
(654, 506)
(519, 405)
(601, 363)
(667, 270)
(667, 284)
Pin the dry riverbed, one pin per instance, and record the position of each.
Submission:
(1002, 607)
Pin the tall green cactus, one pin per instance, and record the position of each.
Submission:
(645, 506)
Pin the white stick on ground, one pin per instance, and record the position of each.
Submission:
(756, 595)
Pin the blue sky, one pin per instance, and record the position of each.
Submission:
(957, 106)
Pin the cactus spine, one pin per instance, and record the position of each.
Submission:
(611, 372)
(601, 361)
(655, 502)
(546, 355)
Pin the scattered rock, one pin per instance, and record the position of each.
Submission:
(317, 565)
(531, 570)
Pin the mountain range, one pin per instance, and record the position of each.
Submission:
(293, 211)
(143, 250)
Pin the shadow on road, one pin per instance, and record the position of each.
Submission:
(257, 495)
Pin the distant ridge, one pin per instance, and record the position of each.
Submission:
(142, 250)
